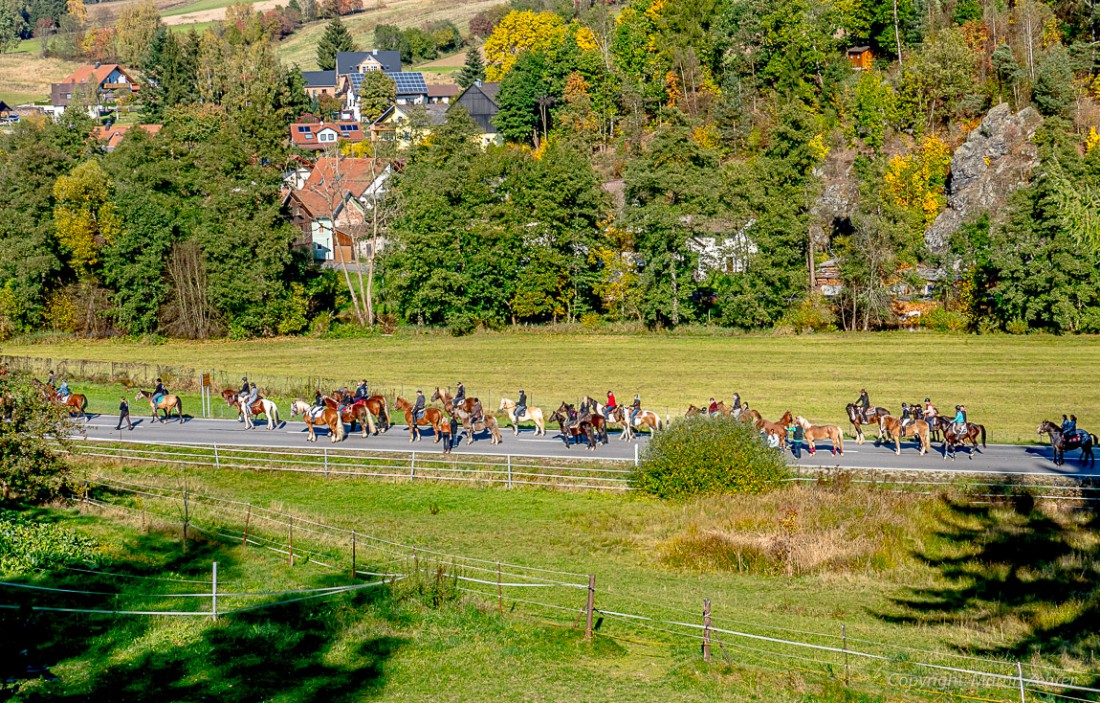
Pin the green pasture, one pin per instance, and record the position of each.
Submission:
(198, 6)
(1008, 383)
(199, 27)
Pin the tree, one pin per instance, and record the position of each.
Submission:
(1053, 92)
(473, 70)
(12, 27)
(336, 39)
(135, 29)
(389, 37)
(526, 96)
(170, 66)
(33, 433)
(517, 33)
(43, 28)
(376, 93)
(484, 22)
(86, 218)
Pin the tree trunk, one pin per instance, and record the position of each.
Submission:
(897, 34)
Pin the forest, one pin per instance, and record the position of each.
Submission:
(639, 139)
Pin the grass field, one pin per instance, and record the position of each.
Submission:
(26, 77)
(1008, 383)
(920, 572)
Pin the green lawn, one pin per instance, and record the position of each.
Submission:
(199, 27)
(1008, 383)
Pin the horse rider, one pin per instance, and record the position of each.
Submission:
(521, 405)
(460, 394)
(864, 404)
(159, 392)
(361, 391)
(906, 415)
(584, 406)
(635, 408)
(960, 419)
(744, 408)
(244, 385)
(253, 394)
(50, 380)
(1069, 427)
(419, 406)
(318, 399)
(1072, 426)
(736, 400)
(63, 392)
(712, 409)
(610, 406)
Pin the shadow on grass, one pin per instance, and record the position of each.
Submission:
(1032, 575)
(307, 652)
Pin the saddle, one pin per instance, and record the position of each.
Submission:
(1076, 437)
(316, 411)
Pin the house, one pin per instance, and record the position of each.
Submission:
(442, 93)
(333, 205)
(7, 114)
(480, 102)
(348, 62)
(411, 90)
(319, 135)
(113, 135)
(718, 249)
(399, 123)
(320, 83)
(861, 58)
(918, 283)
(99, 84)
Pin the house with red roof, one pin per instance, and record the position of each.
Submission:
(319, 135)
(112, 136)
(93, 85)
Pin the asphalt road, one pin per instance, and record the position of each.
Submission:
(995, 459)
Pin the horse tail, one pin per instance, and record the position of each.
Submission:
(982, 428)
(274, 417)
(341, 431)
(179, 407)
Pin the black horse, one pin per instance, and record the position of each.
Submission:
(572, 429)
(1061, 444)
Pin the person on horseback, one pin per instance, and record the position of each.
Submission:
(521, 405)
(1068, 427)
(584, 406)
(1073, 426)
(50, 380)
(736, 400)
(253, 394)
(864, 404)
(460, 394)
(610, 406)
(712, 409)
(318, 399)
(419, 406)
(63, 392)
(361, 391)
(906, 416)
(635, 408)
(159, 392)
(930, 411)
(244, 385)
(960, 419)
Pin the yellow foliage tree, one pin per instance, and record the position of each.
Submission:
(135, 29)
(916, 181)
(85, 218)
(77, 10)
(519, 32)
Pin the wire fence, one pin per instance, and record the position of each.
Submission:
(568, 599)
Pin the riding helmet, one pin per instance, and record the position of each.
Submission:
(928, 400)
(958, 407)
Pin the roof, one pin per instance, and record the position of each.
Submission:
(319, 79)
(409, 83)
(480, 101)
(304, 134)
(858, 49)
(346, 61)
(59, 93)
(97, 73)
(4, 107)
(443, 90)
(333, 179)
(112, 136)
(437, 114)
(491, 90)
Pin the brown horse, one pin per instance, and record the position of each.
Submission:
(953, 438)
(445, 397)
(432, 416)
(646, 419)
(751, 417)
(470, 426)
(376, 405)
(319, 417)
(573, 429)
(77, 404)
(353, 413)
(890, 426)
(815, 433)
(705, 410)
(168, 403)
(858, 418)
(779, 428)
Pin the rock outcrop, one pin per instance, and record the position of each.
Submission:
(995, 160)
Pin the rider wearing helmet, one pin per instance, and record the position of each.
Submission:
(418, 406)
(244, 385)
(361, 391)
(929, 409)
(460, 394)
(253, 394)
(864, 404)
(906, 415)
(960, 419)
(521, 405)
(318, 399)
(159, 392)
(63, 392)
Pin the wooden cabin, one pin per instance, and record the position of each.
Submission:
(861, 58)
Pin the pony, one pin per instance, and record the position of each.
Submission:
(858, 419)
(377, 406)
(573, 429)
(645, 419)
(750, 417)
(1061, 443)
(316, 417)
(818, 432)
(952, 438)
(353, 413)
(532, 414)
(890, 426)
(432, 416)
(779, 428)
(487, 422)
(595, 416)
(168, 403)
(262, 406)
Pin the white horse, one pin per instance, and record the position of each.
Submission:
(532, 414)
(621, 416)
(269, 409)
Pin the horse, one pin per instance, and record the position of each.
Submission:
(77, 404)
(262, 406)
(487, 422)
(692, 411)
(432, 416)
(572, 429)
(167, 403)
(858, 418)
(817, 432)
(1060, 443)
(445, 397)
(377, 406)
(890, 426)
(315, 417)
(750, 417)
(600, 418)
(352, 413)
(952, 438)
(779, 429)
(532, 414)
(644, 419)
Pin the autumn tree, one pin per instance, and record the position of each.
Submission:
(135, 29)
(85, 216)
(517, 33)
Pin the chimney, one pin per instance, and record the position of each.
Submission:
(375, 52)
(97, 64)
(478, 82)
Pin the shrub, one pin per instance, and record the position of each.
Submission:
(1090, 320)
(33, 434)
(812, 314)
(702, 455)
(460, 324)
(26, 546)
(943, 320)
(1016, 327)
(591, 320)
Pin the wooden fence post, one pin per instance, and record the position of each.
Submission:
(590, 606)
(706, 629)
(247, 520)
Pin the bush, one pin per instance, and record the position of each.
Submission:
(812, 314)
(26, 546)
(943, 320)
(701, 455)
(1016, 327)
(33, 436)
(1090, 320)
(460, 324)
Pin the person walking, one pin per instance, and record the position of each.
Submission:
(445, 434)
(124, 415)
(796, 434)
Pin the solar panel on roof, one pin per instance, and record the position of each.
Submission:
(303, 129)
(409, 83)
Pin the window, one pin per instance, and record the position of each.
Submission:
(309, 135)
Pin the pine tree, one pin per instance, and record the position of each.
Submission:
(335, 40)
(474, 70)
